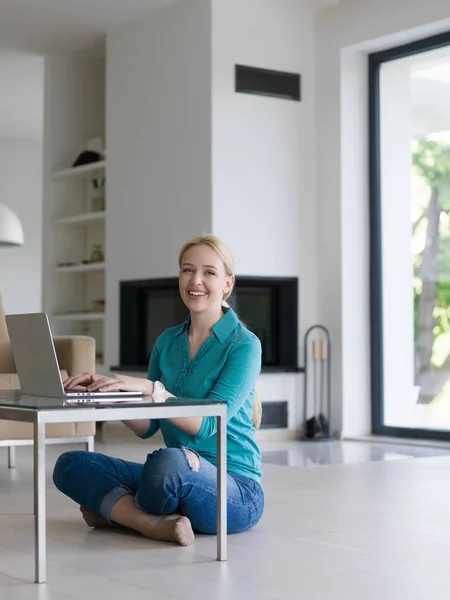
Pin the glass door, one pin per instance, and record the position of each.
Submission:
(410, 239)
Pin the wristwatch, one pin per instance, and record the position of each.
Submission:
(158, 392)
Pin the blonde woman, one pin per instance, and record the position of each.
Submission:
(211, 356)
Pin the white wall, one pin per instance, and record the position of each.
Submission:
(21, 190)
(264, 148)
(186, 154)
(263, 158)
(159, 147)
(345, 34)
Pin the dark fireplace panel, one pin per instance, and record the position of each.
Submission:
(267, 305)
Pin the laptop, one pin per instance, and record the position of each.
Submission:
(37, 364)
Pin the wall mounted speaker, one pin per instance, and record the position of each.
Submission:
(262, 82)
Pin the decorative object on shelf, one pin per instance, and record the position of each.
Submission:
(86, 158)
(98, 305)
(97, 253)
(11, 231)
(98, 197)
(318, 426)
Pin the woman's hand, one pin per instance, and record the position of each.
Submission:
(93, 382)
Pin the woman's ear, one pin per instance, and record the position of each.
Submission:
(229, 284)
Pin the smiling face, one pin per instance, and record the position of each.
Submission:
(203, 279)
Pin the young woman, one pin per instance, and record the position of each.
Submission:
(210, 356)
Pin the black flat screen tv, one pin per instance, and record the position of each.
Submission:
(268, 306)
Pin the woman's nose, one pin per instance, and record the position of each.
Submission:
(197, 278)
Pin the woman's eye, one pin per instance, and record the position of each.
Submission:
(210, 273)
(187, 270)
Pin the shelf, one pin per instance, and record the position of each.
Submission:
(79, 316)
(97, 266)
(80, 219)
(84, 170)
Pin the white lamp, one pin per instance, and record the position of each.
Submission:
(11, 231)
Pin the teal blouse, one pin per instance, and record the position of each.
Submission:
(226, 367)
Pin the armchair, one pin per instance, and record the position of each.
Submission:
(76, 354)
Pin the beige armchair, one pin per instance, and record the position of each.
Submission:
(76, 354)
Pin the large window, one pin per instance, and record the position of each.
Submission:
(410, 238)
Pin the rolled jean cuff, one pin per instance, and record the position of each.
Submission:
(108, 501)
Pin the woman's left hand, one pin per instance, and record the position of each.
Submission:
(121, 383)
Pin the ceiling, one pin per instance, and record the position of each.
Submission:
(32, 28)
(56, 26)
(29, 28)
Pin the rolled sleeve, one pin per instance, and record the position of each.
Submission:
(153, 428)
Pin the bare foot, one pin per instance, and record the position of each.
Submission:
(163, 528)
(93, 520)
(170, 528)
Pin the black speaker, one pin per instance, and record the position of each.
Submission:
(263, 82)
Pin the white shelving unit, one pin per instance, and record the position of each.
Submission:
(75, 207)
(78, 231)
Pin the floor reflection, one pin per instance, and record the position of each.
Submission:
(322, 453)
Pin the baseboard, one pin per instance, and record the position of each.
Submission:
(398, 441)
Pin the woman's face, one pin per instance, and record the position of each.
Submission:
(203, 279)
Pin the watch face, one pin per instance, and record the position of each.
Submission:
(159, 387)
(158, 392)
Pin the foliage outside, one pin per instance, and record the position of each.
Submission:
(431, 260)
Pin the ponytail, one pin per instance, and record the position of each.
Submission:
(257, 409)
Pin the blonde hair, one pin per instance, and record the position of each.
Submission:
(220, 248)
(257, 409)
(227, 258)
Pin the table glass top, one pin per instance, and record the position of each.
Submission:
(15, 399)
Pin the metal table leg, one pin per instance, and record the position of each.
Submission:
(222, 487)
(11, 457)
(90, 444)
(39, 501)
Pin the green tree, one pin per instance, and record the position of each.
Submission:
(432, 267)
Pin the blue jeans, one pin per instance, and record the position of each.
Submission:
(167, 483)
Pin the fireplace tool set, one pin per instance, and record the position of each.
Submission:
(317, 384)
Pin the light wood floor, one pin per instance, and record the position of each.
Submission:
(374, 529)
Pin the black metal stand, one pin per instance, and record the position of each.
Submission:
(317, 428)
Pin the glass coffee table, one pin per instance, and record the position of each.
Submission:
(15, 406)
